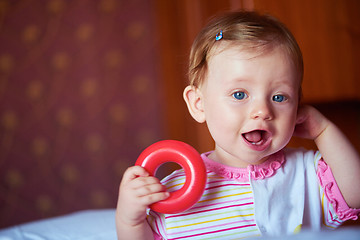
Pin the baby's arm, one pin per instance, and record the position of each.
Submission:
(137, 191)
(336, 150)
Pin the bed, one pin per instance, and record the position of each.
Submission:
(100, 224)
(83, 225)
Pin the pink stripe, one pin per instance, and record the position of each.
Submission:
(221, 225)
(224, 185)
(157, 226)
(156, 222)
(182, 174)
(208, 210)
(229, 180)
(219, 203)
(222, 230)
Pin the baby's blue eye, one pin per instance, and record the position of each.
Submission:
(239, 95)
(279, 98)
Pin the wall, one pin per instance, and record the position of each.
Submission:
(79, 99)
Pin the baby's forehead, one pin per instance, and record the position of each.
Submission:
(226, 51)
(245, 50)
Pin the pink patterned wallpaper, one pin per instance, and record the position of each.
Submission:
(79, 99)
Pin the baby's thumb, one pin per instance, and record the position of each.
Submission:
(135, 172)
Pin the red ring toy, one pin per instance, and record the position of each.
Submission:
(189, 159)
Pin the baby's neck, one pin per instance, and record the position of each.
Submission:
(232, 161)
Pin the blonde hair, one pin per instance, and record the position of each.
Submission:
(248, 29)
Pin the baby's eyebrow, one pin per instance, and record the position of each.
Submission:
(241, 80)
(285, 81)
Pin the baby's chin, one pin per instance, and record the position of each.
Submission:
(242, 156)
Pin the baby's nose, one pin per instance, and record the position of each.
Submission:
(262, 111)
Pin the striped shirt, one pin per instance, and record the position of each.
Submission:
(228, 210)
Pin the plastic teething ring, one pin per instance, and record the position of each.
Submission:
(189, 159)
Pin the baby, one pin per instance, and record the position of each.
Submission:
(245, 74)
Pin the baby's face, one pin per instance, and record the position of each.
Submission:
(250, 102)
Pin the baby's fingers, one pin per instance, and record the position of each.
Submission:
(149, 199)
(147, 185)
(148, 190)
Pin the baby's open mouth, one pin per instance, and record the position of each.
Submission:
(256, 137)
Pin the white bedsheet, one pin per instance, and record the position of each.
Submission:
(84, 225)
(100, 224)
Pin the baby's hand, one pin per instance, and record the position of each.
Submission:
(137, 191)
(310, 123)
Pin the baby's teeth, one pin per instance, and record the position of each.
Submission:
(256, 143)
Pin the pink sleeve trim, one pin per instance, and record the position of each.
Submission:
(333, 193)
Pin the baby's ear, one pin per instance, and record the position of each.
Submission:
(193, 98)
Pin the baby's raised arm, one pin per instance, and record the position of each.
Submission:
(336, 150)
(137, 191)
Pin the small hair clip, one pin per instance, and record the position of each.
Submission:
(219, 36)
